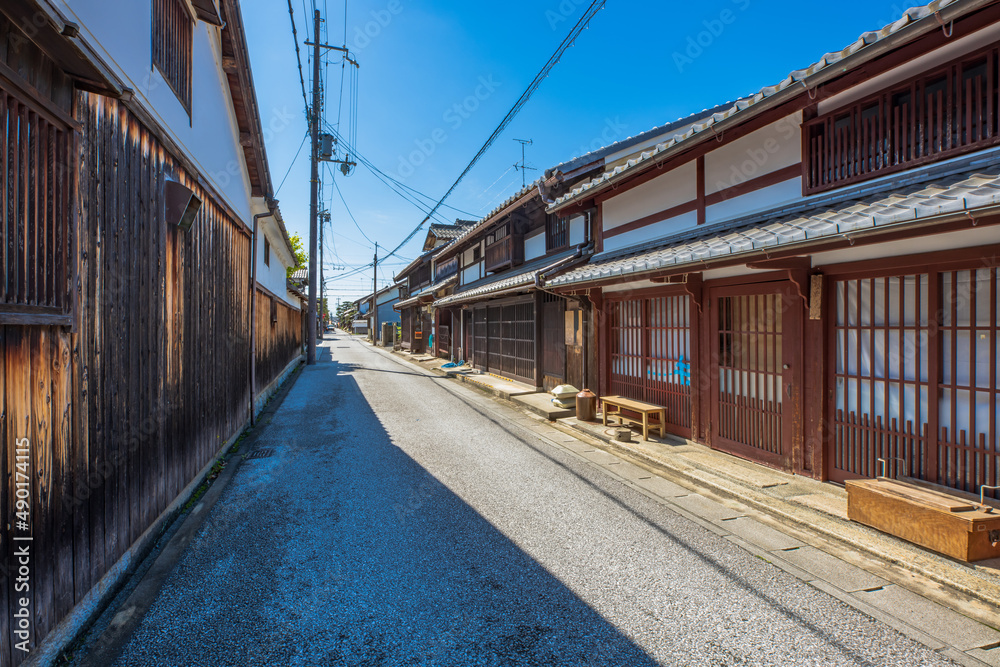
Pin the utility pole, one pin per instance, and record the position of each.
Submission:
(313, 196)
(324, 217)
(375, 297)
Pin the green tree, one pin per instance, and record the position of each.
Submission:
(301, 256)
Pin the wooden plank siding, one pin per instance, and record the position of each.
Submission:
(278, 337)
(123, 411)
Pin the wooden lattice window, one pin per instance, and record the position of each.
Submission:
(173, 28)
(915, 382)
(35, 237)
(556, 233)
(947, 112)
(651, 353)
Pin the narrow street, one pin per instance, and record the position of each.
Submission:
(397, 524)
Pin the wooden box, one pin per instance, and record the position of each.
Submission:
(941, 522)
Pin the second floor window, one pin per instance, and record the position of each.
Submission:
(172, 36)
(267, 252)
(556, 233)
(946, 112)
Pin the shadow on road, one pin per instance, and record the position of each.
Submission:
(341, 550)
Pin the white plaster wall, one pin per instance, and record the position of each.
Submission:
(120, 30)
(273, 277)
(769, 149)
(388, 296)
(652, 232)
(974, 237)
(758, 200)
(534, 246)
(577, 230)
(628, 287)
(671, 189)
(473, 273)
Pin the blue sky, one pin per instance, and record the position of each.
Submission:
(436, 77)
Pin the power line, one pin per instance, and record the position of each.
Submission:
(391, 182)
(298, 58)
(333, 178)
(521, 101)
(306, 136)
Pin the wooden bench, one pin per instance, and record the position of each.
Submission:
(629, 411)
(933, 519)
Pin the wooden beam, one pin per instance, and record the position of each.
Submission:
(246, 140)
(816, 296)
(784, 263)
(700, 188)
(691, 283)
(229, 64)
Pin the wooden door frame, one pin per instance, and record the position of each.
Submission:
(694, 341)
(791, 379)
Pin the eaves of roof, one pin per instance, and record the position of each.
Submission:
(972, 192)
(58, 37)
(420, 259)
(236, 67)
(521, 277)
(914, 22)
(427, 295)
(513, 201)
(568, 167)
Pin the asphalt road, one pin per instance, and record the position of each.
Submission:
(396, 525)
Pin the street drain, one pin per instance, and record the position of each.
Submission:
(260, 454)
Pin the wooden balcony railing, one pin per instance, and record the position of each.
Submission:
(506, 252)
(446, 269)
(940, 114)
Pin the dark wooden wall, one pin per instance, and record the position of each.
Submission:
(277, 342)
(122, 413)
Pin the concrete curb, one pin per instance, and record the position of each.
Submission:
(812, 521)
(971, 596)
(265, 395)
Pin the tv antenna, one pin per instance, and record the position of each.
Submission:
(523, 166)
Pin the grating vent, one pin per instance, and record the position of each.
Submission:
(260, 454)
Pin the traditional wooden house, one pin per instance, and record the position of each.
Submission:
(808, 279)
(494, 316)
(132, 177)
(421, 281)
(386, 298)
(279, 319)
(498, 316)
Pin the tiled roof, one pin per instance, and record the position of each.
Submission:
(479, 224)
(441, 284)
(604, 151)
(415, 263)
(447, 231)
(954, 193)
(830, 61)
(524, 277)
